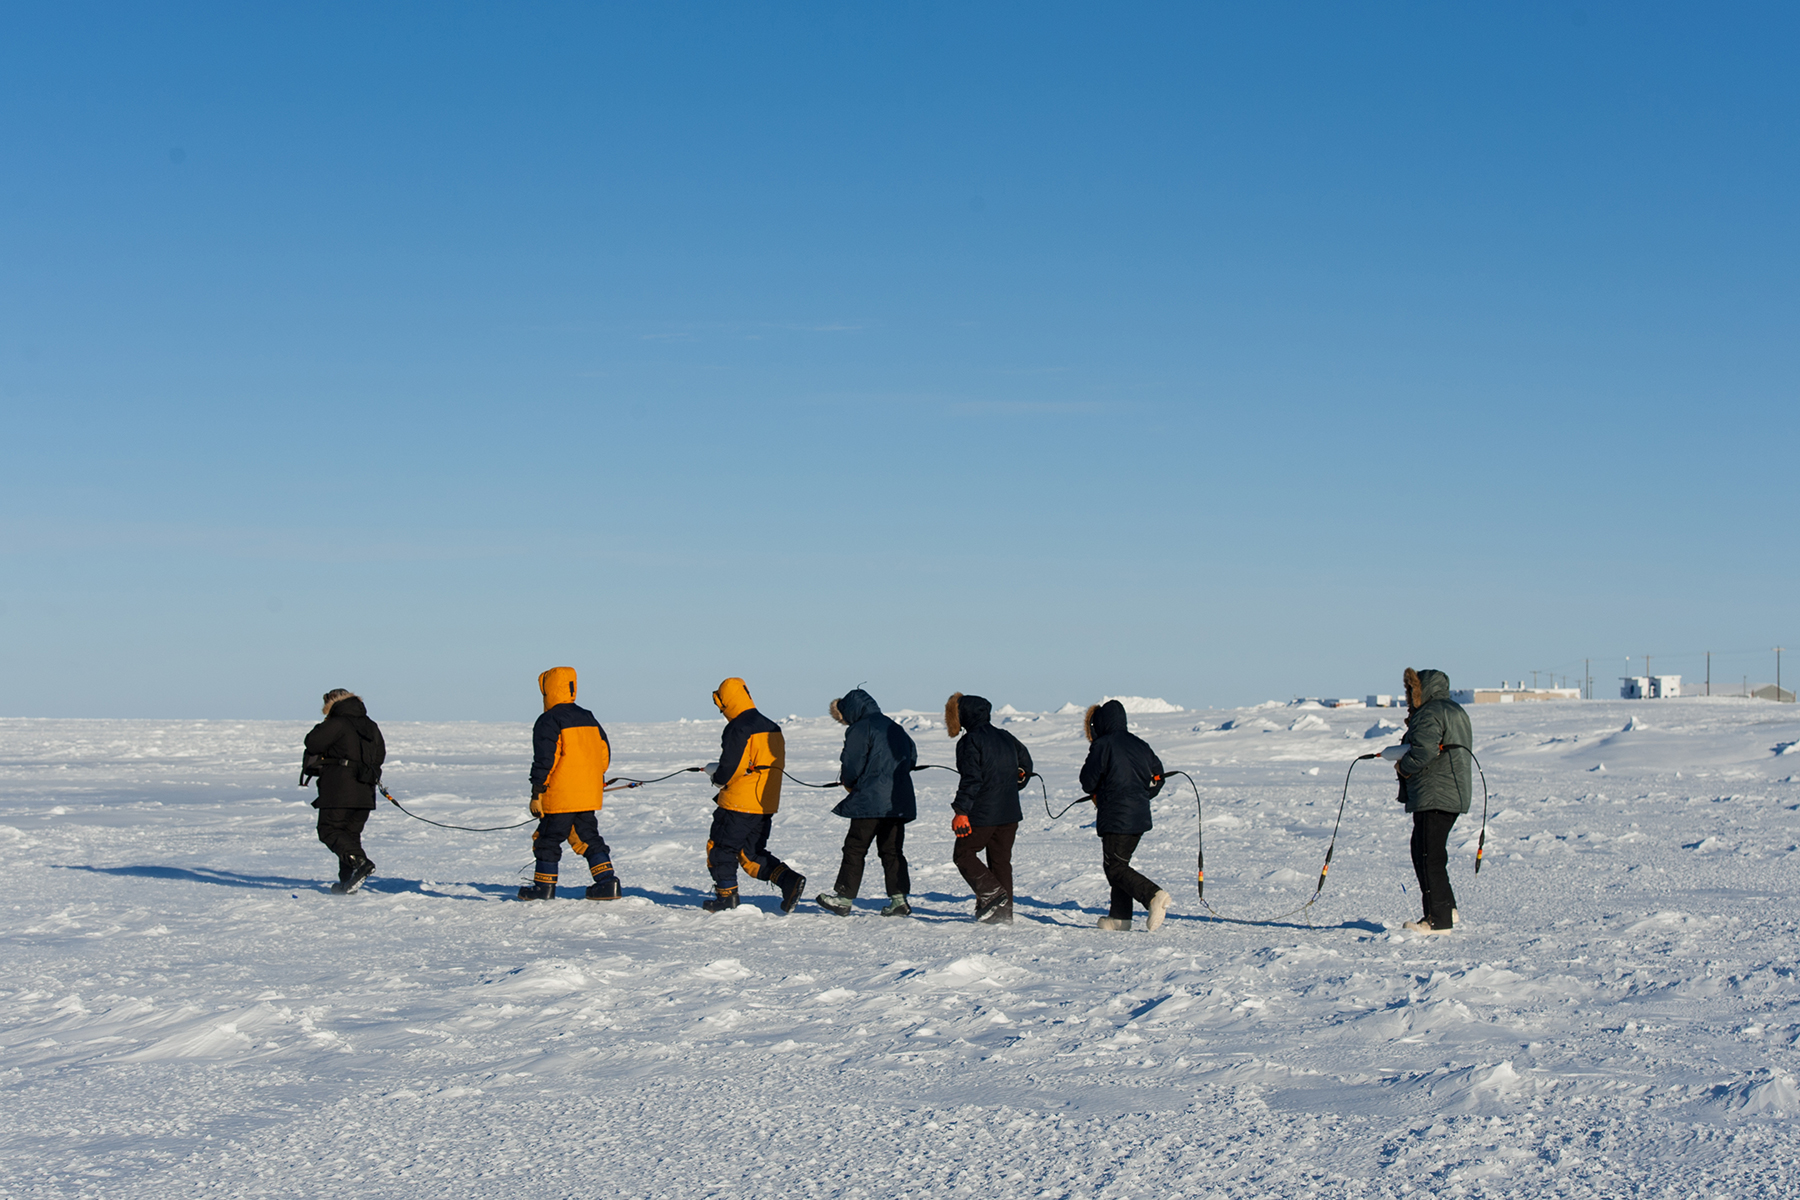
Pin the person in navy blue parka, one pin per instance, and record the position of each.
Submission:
(992, 765)
(1121, 776)
(876, 766)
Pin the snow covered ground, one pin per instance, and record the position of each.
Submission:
(185, 1010)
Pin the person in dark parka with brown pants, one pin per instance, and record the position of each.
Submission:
(993, 765)
(345, 751)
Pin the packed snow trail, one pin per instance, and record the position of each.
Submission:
(185, 1010)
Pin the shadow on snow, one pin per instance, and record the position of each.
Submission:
(280, 883)
(681, 897)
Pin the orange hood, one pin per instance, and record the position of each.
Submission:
(558, 686)
(733, 698)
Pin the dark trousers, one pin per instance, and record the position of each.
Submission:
(582, 831)
(739, 838)
(1431, 863)
(341, 831)
(889, 836)
(996, 873)
(1116, 850)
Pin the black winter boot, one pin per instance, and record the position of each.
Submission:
(994, 908)
(606, 887)
(723, 898)
(792, 884)
(351, 875)
(540, 889)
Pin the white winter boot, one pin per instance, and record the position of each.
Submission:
(1159, 909)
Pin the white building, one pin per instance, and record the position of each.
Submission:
(1649, 687)
(1508, 693)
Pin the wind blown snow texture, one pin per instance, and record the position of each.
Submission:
(186, 1011)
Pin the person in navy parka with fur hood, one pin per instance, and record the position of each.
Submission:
(1121, 776)
(876, 766)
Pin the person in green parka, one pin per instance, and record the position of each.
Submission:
(1435, 784)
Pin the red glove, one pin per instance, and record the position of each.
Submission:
(960, 824)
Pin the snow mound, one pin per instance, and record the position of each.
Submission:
(1382, 729)
(1145, 704)
(1634, 724)
(1460, 1089)
(1070, 707)
(550, 978)
(975, 970)
(1767, 1093)
(1787, 748)
(1006, 710)
(1498, 1083)
(1308, 722)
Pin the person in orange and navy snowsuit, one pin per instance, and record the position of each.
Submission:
(752, 754)
(569, 758)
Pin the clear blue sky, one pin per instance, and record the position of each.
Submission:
(1216, 352)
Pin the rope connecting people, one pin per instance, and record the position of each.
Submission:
(1119, 778)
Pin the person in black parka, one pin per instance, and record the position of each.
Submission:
(1121, 776)
(345, 751)
(876, 766)
(993, 765)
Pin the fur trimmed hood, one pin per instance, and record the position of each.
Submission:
(1426, 685)
(1102, 719)
(965, 712)
(853, 706)
(335, 695)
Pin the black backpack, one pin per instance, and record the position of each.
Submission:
(371, 753)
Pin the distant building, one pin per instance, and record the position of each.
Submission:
(1512, 694)
(1769, 691)
(1649, 687)
(1342, 703)
(1382, 701)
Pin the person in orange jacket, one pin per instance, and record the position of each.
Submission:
(752, 754)
(569, 758)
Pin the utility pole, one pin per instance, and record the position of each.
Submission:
(1778, 651)
(1534, 676)
(1709, 672)
(1587, 679)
